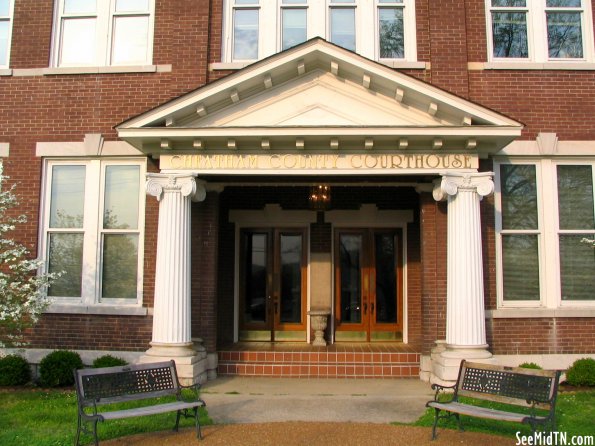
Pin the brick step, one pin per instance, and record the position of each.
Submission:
(319, 364)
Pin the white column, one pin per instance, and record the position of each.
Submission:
(465, 312)
(171, 314)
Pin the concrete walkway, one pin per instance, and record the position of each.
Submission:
(263, 400)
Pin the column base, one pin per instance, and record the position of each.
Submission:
(446, 360)
(190, 364)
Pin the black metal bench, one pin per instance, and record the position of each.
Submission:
(533, 389)
(110, 385)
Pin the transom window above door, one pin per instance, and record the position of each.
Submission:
(103, 33)
(383, 30)
(539, 30)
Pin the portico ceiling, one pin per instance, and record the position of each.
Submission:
(318, 98)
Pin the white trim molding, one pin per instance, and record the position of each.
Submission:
(4, 149)
(92, 145)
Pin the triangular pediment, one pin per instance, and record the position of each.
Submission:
(318, 92)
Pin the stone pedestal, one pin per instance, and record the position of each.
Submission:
(171, 316)
(318, 322)
(465, 313)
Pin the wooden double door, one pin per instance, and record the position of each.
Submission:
(368, 285)
(273, 284)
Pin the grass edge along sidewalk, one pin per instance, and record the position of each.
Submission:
(34, 417)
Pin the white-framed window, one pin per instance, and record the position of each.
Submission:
(93, 230)
(103, 33)
(544, 209)
(377, 29)
(6, 13)
(539, 30)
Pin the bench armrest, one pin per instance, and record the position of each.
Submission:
(441, 390)
(195, 390)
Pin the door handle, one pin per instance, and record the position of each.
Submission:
(372, 308)
(276, 305)
(365, 308)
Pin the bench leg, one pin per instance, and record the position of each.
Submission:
(197, 424)
(78, 432)
(435, 423)
(459, 422)
(95, 432)
(177, 421)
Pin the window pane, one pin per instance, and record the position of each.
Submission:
(392, 43)
(245, 34)
(564, 35)
(563, 3)
(294, 27)
(575, 197)
(4, 42)
(343, 27)
(520, 267)
(120, 266)
(509, 30)
(509, 3)
(68, 197)
(519, 197)
(132, 5)
(79, 6)
(131, 35)
(4, 8)
(66, 254)
(577, 268)
(121, 197)
(78, 42)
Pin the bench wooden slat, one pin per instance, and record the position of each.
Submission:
(148, 410)
(482, 412)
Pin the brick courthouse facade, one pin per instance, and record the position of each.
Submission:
(167, 155)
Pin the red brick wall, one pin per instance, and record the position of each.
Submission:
(433, 220)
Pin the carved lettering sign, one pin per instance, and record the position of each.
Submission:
(313, 162)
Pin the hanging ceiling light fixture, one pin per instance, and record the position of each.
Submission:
(320, 197)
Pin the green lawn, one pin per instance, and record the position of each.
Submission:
(575, 415)
(48, 418)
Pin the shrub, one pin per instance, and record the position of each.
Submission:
(530, 365)
(582, 373)
(55, 370)
(108, 361)
(14, 371)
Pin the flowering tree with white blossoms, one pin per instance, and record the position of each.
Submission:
(23, 295)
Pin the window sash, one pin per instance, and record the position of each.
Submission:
(114, 41)
(124, 272)
(556, 31)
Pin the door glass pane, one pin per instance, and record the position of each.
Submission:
(131, 36)
(519, 196)
(79, 6)
(4, 41)
(294, 27)
(350, 252)
(66, 255)
(520, 264)
(575, 197)
(291, 278)
(509, 31)
(392, 42)
(386, 278)
(564, 35)
(68, 197)
(577, 268)
(343, 27)
(255, 270)
(245, 34)
(78, 42)
(120, 266)
(132, 5)
(121, 197)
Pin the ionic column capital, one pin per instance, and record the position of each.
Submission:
(452, 183)
(158, 184)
